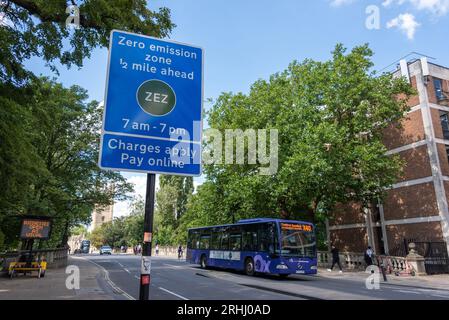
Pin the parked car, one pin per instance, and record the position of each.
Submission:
(105, 250)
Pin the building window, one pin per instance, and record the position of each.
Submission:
(444, 120)
(438, 84)
(102, 219)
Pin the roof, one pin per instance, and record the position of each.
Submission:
(254, 220)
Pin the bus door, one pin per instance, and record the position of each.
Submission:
(235, 248)
(224, 248)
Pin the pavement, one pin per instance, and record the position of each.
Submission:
(117, 277)
(438, 281)
(93, 285)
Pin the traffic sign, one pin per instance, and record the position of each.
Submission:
(152, 119)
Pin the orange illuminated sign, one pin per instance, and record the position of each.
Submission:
(296, 226)
(35, 228)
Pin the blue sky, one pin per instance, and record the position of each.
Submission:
(245, 40)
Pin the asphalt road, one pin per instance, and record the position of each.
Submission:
(173, 279)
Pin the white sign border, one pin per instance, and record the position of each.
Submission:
(149, 137)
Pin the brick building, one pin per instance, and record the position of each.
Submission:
(416, 207)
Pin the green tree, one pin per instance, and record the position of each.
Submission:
(171, 205)
(43, 168)
(330, 117)
(97, 236)
(37, 28)
(61, 132)
(78, 230)
(134, 222)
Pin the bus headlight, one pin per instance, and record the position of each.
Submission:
(313, 268)
(281, 266)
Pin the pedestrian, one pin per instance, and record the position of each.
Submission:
(157, 249)
(335, 259)
(139, 248)
(369, 255)
(179, 252)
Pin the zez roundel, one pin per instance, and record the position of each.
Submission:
(156, 97)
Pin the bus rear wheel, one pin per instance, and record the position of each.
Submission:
(203, 262)
(249, 267)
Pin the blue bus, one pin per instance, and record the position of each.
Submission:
(262, 245)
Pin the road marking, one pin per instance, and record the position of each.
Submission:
(110, 282)
(175, 294)
(127, 270)
(440, 295)
(3, 290)
(407, 291)
(172, 265)
(137, 277)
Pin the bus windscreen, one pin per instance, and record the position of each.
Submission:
(297, 240)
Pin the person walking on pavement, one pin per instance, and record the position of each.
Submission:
(335, 259)
(179, 252)
(157, 249)
(369, 254)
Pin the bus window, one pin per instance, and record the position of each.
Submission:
(204, 241)
(297, 240)
(195, 240)
(215, 240)
(266, 237)
(189, 240)
(235, 242)
(250, 241)
(224, 241)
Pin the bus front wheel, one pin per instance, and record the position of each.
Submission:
(249, 267)
(203, 262)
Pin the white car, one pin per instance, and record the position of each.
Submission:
(105, 250)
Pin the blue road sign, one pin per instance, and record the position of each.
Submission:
(153, 100)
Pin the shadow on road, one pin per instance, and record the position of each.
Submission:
(291, 278)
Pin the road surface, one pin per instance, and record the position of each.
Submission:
(178, 280)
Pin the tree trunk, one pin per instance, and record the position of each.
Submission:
(65, 235)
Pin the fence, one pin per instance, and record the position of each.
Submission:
(349, 260)
(56, 258)
(355, 261)
(436, 258)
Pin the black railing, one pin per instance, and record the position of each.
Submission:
(436, 258)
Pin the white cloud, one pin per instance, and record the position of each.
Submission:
(388, 3)
(406, 23)
(121, 208)
(338, 3)
(436, 7)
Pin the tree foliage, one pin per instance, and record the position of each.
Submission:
(121, 231)
(171, 205)
(330, 117)
(49, 134)
(59, 139)
(37, 28)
